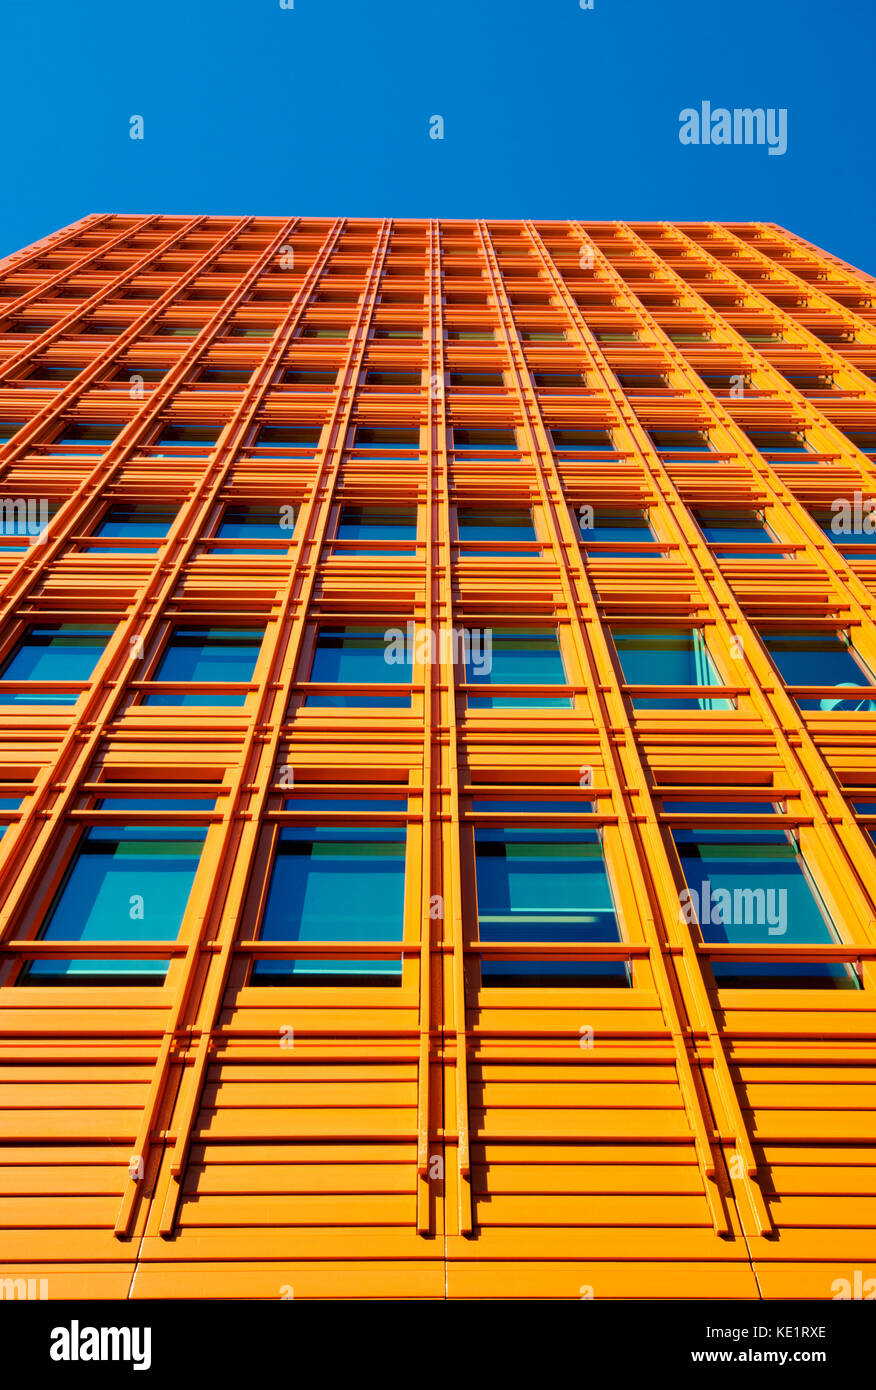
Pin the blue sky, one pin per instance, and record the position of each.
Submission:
(550, 111)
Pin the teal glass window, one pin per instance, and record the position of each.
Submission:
(361, 656)
(242, 523)
(212, 654)
(820, 658)
(8, 428)
(334, 884)
(139, 520)
(373, 524)
(545, 886)
(668, 656)
(498, 527)
(753, 886)
(57, 652)
(516, 657)
(128, 883)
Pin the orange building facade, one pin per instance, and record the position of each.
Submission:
(437, 761)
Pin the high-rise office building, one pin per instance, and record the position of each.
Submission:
(438, 761)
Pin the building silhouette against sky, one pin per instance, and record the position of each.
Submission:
(437, 761)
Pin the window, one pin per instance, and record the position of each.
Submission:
(516, 657)
(396, 438)
(545, 886)
(686, 441)
(224, 376)
(125, 883)
(381, 378)
(778, 442)
(361, 656)
(672, 657)
(87, 433)
(570, 441)
(395, 333)
(477, 525)
(334, 884)
(726, 381)
(542, 335)
(295, 376)
(573, 380)
(251, 523)
(139, 520)
(487, 440)
(470, 335)
(865, 440)
(60, 652)
(481, 380)
(288, 437)
(8, 428)
(820, 658)
(753, 887)
(850, 523)
(605, 336)
(210, 655)
(642, 381)
(602, 526)
(188, 437)
(373, 524)
(722, 528)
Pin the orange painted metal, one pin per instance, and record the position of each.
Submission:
(442, 1138)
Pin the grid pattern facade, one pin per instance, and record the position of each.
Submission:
(437, 1111)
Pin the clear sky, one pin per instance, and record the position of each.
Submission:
(549, 110)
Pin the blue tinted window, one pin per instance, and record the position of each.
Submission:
(189, 436)
(850, 525)
(548, 886)
(138, 520)
(84, 433)
(124, 884)
(206, 654)
(494, 526)
(512, 657)
(818, 658)
(361, 656)
(751, 886)
(334, 885)
(530, 806)
(668, 657)
(581, 441)
(255, 524)
(62, 652)
(742, 528)
(287, 437)
(377, 524)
